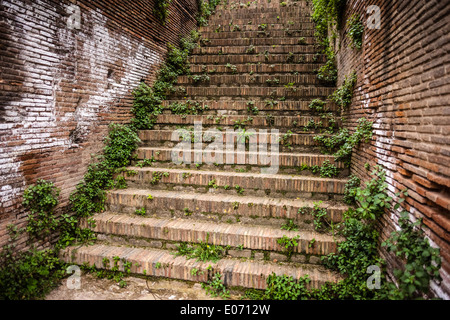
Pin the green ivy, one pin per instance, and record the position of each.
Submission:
(41, 199)
(422, 261)
(355, 31)
(161, 9)
(27, 275)
(344, 94)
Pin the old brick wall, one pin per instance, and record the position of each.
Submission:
(62, 83)
(403, 86)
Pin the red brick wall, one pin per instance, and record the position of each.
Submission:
(61, 87)
(403, 86)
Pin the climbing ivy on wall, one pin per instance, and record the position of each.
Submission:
(161, 9)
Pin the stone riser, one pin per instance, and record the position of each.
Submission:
(295, 49)
(269, 32)
(260, 122)
(256, 68)
(252, 41)
(245, 27)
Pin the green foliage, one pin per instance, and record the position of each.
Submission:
(286, 288)
(289, 244)
(205, 10)
(215, 287)
(350, 189)
(161, 9)
(121, 143)
(373, 199)
(325, 13)
(41, 199)
(141, 212)
(203, 251)
(353, 257)
(422, 262)
(344, 94)
(343, 142)
(318, 105)
(355, 31)
(146, 107)
(328, 73)
(289, 226)
(327, 170)
(27, 275)
(319, 214)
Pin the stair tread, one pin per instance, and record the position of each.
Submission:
(230, 198)
(238, 174)
(213, 228)
(248, 274)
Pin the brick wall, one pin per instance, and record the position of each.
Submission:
(403, 86)
(62, 83)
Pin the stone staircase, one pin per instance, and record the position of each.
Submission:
(232, 205)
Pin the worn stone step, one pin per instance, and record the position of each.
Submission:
(295, 143)
(253, 158)
(217, 20)
(276, 185)
(266, 41)
(178, 230)
(254, 80)
(263, 105)
(262, 6)
(161, 263)
(285, 13)
(244, 121)
(275, 49)
(256, 68)
(268, 58)
(222, 207)
(265, 92)
(261, 26)
(287, 32)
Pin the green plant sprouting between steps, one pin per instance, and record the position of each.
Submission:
(342, 143)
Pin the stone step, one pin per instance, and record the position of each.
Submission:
(253, 158)
(161, 263)
(255, 58)
(295, 91)
(287, 32)
(249, 122)
(266, 41)
(221, 207)
(285, 14)
(178, 230)
(295, 142)
(217, 20)
(279, 25)
(277, 49)
(256, 68)
(275, 185)
(253, 80)
(264, 6)
(263, 105)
